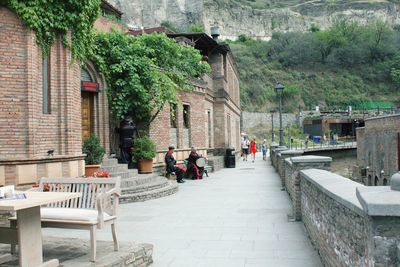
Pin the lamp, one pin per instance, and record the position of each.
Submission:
(272, 122)
(279, 90)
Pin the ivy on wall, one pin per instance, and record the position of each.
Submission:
(145, 72)
(48, 18)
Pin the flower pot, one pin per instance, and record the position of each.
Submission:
(145, 166)
(91, 169)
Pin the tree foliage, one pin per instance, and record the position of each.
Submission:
(49, 18)
(145, 72)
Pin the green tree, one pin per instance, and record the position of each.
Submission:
(196, 28)
(145, 72)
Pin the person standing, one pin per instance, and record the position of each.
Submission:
(172, 167)
(264, 149)
(253, 148)
(245, 148)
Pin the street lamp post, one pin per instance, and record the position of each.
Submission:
(272, 121)
(279, 89)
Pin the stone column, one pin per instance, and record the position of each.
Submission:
(274, 156)
(382, 204)
(293, 166)
(282, 155)
(272, 146)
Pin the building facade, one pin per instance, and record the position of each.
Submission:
(48, 105)
(208, 117)
(378, 149)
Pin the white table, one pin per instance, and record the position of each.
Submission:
(28, 234)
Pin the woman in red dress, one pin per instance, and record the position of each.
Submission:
(253, 148)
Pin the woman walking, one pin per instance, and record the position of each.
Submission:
(253, 148)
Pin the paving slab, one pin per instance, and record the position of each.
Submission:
(236, 217)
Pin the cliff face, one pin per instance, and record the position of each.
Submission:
(236, 17)
(150, 13)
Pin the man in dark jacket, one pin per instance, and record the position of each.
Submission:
(172, 167)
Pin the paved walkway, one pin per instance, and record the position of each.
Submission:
(236, 217)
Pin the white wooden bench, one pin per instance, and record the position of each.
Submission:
(96, 207)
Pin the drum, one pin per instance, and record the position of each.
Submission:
(201, 162)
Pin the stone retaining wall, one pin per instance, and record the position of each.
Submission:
(336, 224)
(348, 223)
(282, 155)
(293, 166)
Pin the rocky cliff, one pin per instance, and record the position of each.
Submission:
(235, 17)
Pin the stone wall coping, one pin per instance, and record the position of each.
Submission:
(292, 152)
(280, 149)
(310, 158)
(340, 189)
(379, 200)
(382, 117)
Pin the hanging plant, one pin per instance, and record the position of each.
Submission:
(49, 18)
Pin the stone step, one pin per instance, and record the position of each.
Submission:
(123, 175)
(133, 172)
(138, 180)
(170, 189)
(109, 162)
(116, 168)
(156, 184)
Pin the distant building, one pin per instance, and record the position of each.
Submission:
(210, 116)
(378, 149)
(343, 125)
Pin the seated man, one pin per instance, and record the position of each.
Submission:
(196, 172)
(172, 167)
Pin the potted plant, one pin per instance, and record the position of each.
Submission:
(94, 155)
(144, 150)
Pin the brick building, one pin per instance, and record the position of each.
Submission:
(209, 117)
(378, 149)
(48, 105)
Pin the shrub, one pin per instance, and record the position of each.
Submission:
(144, 148)
(93, 150)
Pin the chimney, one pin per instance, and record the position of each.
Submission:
(215, 32)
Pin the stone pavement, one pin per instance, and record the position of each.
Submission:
(236, 217)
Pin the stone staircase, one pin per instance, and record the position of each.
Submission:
(139, 187)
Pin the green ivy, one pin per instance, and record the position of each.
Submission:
(49, 18)
(145, 72)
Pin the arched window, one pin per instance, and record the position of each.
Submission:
(85, 75)
(376, 181)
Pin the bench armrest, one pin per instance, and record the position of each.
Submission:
(103, 198)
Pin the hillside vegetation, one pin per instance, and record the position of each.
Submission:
(347, 64)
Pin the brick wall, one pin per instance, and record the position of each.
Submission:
(26, 133)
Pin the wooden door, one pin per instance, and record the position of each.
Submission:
(87, 110)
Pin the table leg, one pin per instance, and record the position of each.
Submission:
(29, 237)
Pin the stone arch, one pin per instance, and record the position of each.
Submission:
(376, 181)
(100, 116)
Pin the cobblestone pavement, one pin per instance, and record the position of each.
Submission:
(236, 217)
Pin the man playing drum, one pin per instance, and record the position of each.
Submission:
(196, 165)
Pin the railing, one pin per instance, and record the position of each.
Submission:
(332, 144)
